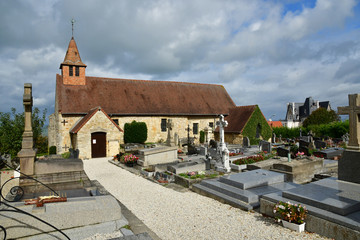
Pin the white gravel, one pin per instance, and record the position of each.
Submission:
(184, 215)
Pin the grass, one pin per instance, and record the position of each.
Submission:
(126, 227)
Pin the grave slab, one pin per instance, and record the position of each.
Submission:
(158, 155)
(185, 167)
(253, 179)
(328, 194)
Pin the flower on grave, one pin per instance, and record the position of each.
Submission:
(290, 212)
(130, 158)
(191, 173)
(201, 172)
(300, 154)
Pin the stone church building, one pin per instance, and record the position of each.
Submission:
(90, 112)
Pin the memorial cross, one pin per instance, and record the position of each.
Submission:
(222, 124)
(63, 122)
(354, 120)
(66, 148)
(188, 129)
(170, 139)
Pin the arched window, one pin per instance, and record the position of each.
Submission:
(258, 130)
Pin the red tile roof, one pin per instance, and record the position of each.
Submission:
(275, 124)
(87, 117)
(72, 56)
(142, 97)
(238, 117)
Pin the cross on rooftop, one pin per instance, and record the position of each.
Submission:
(72, 27)
(354, 120)
(63, 122)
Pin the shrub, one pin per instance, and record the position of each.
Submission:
(52, 150)
(289, 212)
(321, 116)
(257, 118)
(65, 155)
(135, 132)
(202, 136)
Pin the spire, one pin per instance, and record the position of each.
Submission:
(72, 57)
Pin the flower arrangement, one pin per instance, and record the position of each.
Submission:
(232, 154)
(289, 212)
(249, 160)
(300, 154)
(130, 158)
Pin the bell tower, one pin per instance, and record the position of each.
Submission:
(72, 68)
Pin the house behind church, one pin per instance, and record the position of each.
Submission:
(296, 113)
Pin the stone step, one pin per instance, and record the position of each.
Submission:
(231, 191)
(206, 191)
(328, 194)
(251, 179)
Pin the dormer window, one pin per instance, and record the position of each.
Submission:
(71, 73)
(77, 71)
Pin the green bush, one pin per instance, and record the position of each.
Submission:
(65, 155)
(135, 132)
(52, 150)
(202, 136)
(334, 130)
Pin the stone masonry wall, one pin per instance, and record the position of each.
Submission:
(99, 123)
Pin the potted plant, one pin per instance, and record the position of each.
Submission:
(292, 215)
(130, 160)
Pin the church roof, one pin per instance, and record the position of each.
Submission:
(275, 124)
(142, 97)
(238, 117)
(72, 56)
(87, 117)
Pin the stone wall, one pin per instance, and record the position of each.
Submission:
(99, 123)
(62, 137)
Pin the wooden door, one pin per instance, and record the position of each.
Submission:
(98, 144)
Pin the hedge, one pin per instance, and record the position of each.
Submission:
(135, 132)
(334, 130)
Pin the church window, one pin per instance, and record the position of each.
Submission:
(163, 124)
(258, 131)
(195, 128)
(77, 71)
(71, 73)
(211, 124)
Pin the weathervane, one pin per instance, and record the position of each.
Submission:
(72, 27)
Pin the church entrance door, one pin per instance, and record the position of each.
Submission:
(98, 144)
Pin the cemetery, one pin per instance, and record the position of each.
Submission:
(238, 160)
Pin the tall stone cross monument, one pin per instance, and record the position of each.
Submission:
(170, 138)
(349, 164)
(224, 152)
(27, 153)
(354, 120)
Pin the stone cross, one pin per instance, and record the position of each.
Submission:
(207, 131)
(224, 152)
(354, 120)
(27, 153)
(170, 138)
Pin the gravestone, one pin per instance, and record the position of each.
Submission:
(273, 138)
(224, 152)
(349, 164)
(170, 138)
(320, 144)
(246, 142)
(207, 131)
(177, 140)
(27, 153)
(265, 146)
(282, 152)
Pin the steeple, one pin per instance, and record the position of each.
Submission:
(72, 56)
(72, 68)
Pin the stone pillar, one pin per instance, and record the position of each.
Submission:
(170, 138)
(27, 153)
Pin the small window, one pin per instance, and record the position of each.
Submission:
(116, 121)
(163, 124)
(77, 71)
(195, 128)
(71, 73)
(211, 124)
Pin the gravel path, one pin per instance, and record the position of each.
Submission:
(184, 215)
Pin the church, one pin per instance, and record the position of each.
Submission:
(90, 112)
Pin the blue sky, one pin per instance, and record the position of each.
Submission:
(265, 52)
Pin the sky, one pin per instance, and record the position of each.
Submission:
(265, 52)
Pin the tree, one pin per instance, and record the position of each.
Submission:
(135, 132)
(12, 128)
(321, 116)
